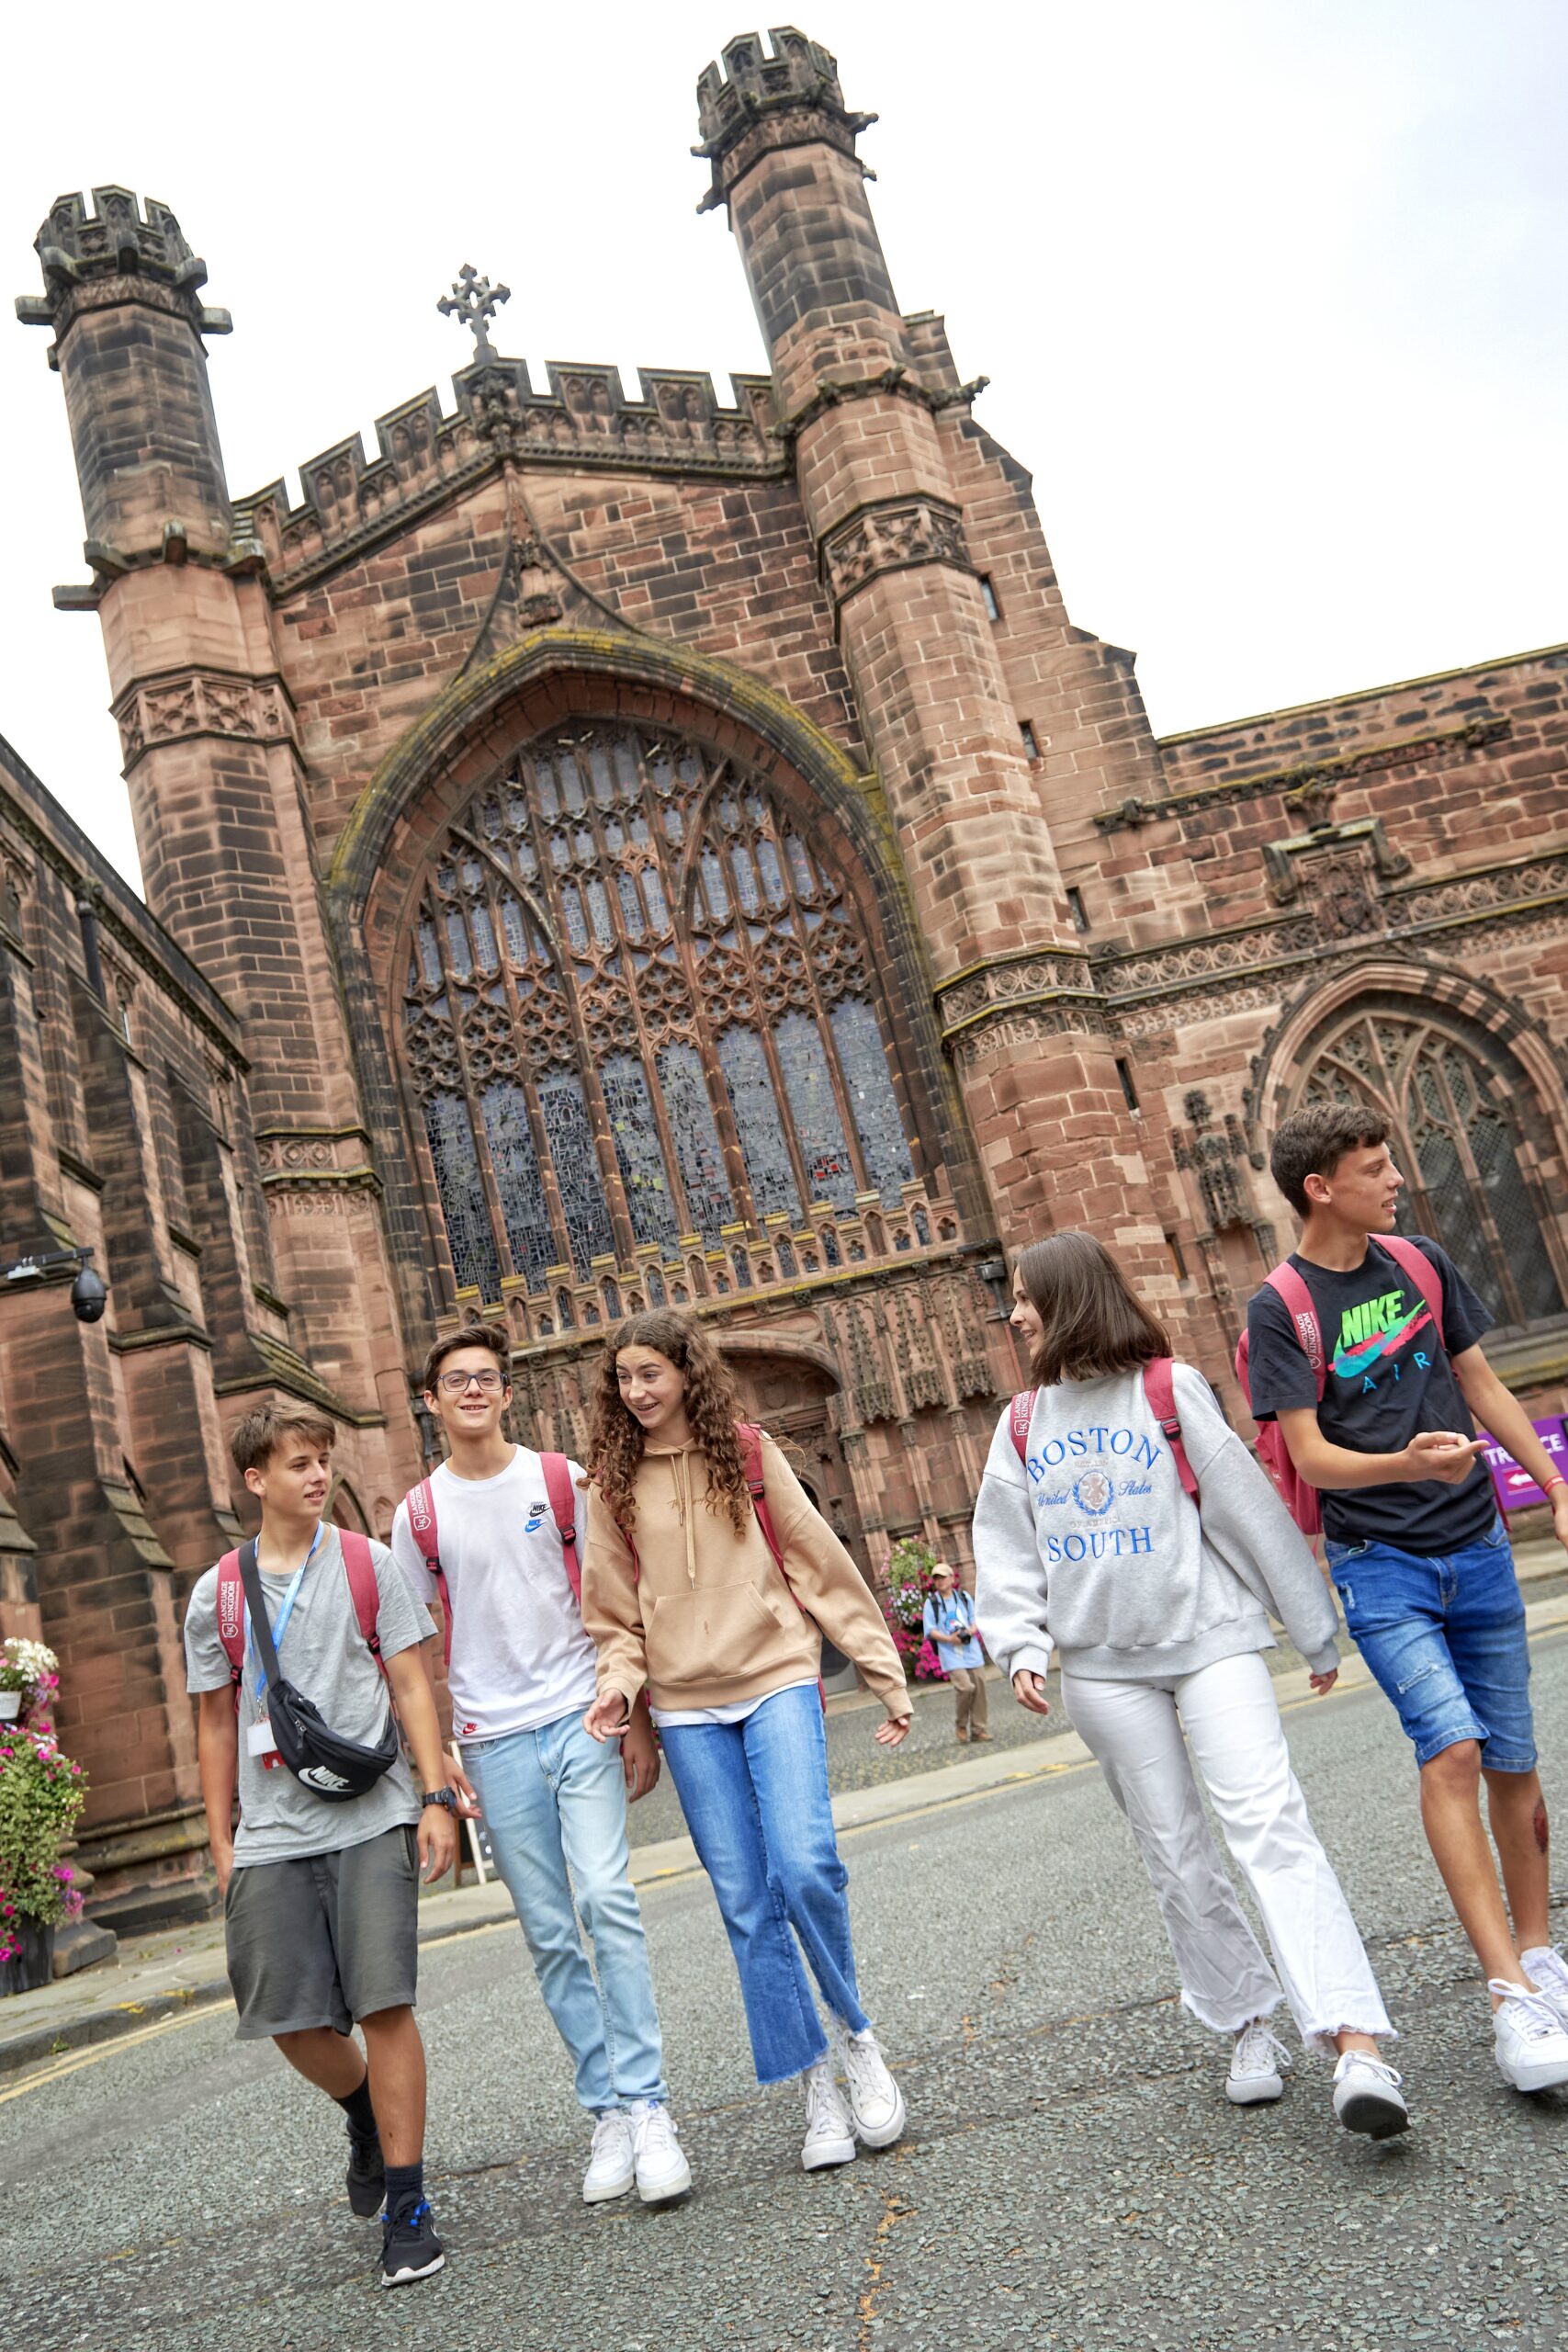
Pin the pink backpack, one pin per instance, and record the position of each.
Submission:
(1298, 1499)
(1159, 1387)
(361, 1571)
(421, 1501)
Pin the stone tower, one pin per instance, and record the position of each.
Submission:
(217, 778)
(292, 1295)
(870, 403)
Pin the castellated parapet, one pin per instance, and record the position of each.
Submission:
(349, 501)
(799, 80)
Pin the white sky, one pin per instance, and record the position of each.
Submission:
(1273, 293)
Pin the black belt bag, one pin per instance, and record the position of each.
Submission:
(319, 1758)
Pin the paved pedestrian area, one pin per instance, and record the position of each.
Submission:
(1073, 2174)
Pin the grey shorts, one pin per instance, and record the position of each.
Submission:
(326, 1940)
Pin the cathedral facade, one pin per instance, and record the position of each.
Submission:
(603, 851)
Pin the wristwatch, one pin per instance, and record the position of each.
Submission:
(446, 1798)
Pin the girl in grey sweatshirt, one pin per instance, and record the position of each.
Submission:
(1157, 1605)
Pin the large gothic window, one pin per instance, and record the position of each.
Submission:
(642, 1023)
(1454, 1131)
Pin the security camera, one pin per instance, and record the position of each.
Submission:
(88, 1296)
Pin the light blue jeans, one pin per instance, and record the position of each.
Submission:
(756, 1802)
(555, 1802)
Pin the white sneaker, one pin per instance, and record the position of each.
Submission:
(830, 2131)
(1258, 2066)
(1365, 2096)
(611, 2164)
(1532, 2041)
(875, 2100)
(1546, 1969)
(662, 2171)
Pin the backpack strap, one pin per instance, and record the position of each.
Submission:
(231, 1617)
(750, 1438)
(419, 1504)
(1159, 1387)
(1415, 1264)
(1288, 1286)
(1020, 1412)
(362, 1584)
(563, 1505)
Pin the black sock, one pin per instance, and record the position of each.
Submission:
(405, 2189)
(360, 2113)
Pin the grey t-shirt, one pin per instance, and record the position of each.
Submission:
(324, 1654)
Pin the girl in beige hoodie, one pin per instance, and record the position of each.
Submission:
(683, 1595)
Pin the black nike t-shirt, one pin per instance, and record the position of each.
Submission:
(1387, 1377)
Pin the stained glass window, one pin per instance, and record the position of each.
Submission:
(1453, 1130)
(615, 1046)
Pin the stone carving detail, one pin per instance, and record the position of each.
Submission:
(891, 538)
(1025, 981)
(985, 1038)
(202, 702)
(1499, 886)
(1337, 884)
(1215, 1156)
(1310, 784)
(315, 1159)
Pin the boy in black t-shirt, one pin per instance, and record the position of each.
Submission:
(1415, 1544)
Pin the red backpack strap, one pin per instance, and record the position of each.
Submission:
(1414, 1262)
(419, 1504)
(1291, 1289)
(361, 1570)
(563, 1505)
(1020, 1412)
(750, 1438)
(1159, 1387)
(231, 1617)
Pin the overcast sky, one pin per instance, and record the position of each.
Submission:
(1271, 292)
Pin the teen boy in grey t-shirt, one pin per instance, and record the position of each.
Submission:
(322, 1899)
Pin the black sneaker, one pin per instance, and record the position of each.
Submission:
(409, 2247)
(366, 2174)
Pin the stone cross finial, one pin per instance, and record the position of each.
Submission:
(474, 301)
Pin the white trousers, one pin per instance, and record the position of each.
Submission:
(1230, 1720)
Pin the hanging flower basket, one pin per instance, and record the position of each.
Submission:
(41, 1795)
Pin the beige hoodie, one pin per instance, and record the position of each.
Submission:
(711, 1621)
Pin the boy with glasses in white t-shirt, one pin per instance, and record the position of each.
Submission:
(521, 1670)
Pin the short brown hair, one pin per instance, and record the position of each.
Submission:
(266, 1427)
(472, 1335)
(1313, 1143)
(1093, 1323)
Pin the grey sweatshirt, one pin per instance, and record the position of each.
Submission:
(1094, 1549)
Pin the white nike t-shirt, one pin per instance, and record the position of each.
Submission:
(519, 1658)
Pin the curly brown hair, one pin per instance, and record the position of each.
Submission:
(615, 1438)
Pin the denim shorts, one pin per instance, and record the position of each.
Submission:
(1445, 1639)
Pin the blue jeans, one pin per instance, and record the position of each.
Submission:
(1445, 1639)
(555, 1800)
(755, 1798)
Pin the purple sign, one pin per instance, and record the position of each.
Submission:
(1516, 1488)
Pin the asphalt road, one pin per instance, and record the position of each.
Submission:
(1073, 2174)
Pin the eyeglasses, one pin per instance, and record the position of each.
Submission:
(455, 1382)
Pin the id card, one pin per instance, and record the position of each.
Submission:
(259, 1740)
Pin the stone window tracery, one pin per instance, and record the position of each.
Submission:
(1455, 1134)
(640, 1019)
